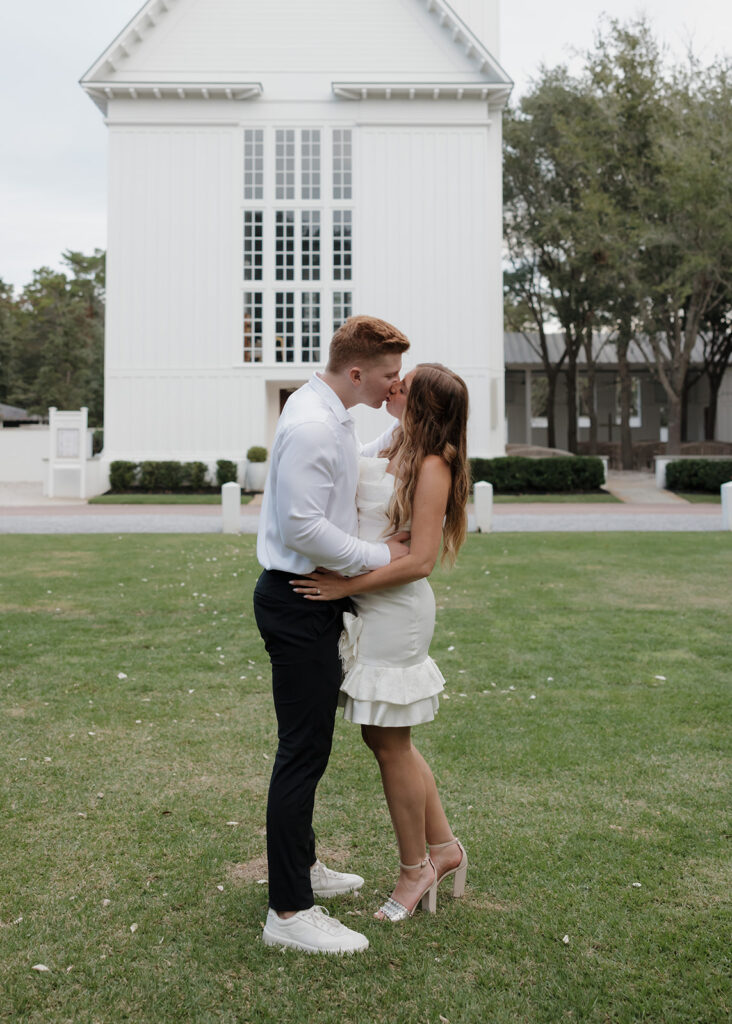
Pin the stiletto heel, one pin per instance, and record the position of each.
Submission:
(460, 871)
(393, 910)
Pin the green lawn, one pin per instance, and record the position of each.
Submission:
(162, 499)
(583, 757)
(593, 497)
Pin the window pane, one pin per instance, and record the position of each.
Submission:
(254, 163)
(342, 249)
(253, 245)
(285, 163)
(342, 308)
(342, 163)
(310, 327)
(311, 163)
(285, 327)
(311, 245)
(285, 245)
(252, 327)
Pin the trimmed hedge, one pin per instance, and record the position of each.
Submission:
(516, 474)
(705, 475)
(156, 477)
(225, 472)
(122, 476)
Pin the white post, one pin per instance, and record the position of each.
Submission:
(52, 452)
(231, 507)
(483, 503)
(726, 490)
(661, 464)
(83, 440)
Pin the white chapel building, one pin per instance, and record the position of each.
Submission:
(275, 166)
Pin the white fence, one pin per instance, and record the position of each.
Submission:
(22, 451)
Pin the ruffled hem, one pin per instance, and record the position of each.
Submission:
(383, 713)
(393, 685)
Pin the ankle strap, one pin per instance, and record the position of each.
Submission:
(411, 867)
(439, 846)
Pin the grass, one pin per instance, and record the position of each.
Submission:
(594, 497)
(163, 499)
(584, 748)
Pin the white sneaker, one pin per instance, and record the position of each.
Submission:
(313, 931)
(332, 883)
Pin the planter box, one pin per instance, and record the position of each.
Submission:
(256, 475)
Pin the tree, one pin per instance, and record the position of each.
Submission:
(553, 221)
(716, 332)
(687, 256)
(56, 351)
(8, 318)
(525, 312)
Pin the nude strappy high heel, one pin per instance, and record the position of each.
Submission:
(460, 871)
(393, 910)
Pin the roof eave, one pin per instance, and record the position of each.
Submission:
(497, 92)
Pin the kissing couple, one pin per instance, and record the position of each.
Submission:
(350, 528)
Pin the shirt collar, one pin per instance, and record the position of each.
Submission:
(329, 396)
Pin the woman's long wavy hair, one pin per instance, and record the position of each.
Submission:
(434, 423)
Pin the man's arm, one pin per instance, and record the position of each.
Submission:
(372, 448)
(306, 477)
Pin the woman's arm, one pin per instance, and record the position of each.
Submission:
(428, 513)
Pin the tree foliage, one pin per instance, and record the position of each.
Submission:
(618, 209)
(52, 338)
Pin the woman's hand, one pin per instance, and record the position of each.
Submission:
(321, 585)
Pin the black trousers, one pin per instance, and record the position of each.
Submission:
(301, 638)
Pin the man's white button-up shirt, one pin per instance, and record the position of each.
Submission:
(309, 515)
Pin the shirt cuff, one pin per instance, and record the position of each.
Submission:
(379, 555)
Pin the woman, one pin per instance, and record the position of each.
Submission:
(420, 484)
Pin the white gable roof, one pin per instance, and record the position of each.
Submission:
(243, 42)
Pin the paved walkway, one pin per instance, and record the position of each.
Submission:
(636, 488)
(23, 509)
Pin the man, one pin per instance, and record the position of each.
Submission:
(309, 519)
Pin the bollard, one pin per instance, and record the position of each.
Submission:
(231, 507)
(726, 491)
(483, 505)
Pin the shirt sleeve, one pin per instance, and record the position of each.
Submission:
(372, 448)
(306, 476)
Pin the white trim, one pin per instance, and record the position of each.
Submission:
(465, 38)
(422, 90)
(103, 92)
(149, 16)
(146, 19)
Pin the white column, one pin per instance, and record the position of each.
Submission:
(726, 490)
(231, 507)
(483, 505)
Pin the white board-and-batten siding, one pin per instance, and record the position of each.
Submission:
(426, 205)
(422, 214)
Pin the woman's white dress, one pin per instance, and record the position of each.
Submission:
(390, 679)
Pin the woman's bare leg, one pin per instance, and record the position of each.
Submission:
(437, 827)
(404, 782)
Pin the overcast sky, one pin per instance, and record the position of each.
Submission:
(53, 139)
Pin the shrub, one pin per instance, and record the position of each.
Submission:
(122, 476)
(97, 441)
(225, 472)
(161, 476)
(257, 454)
(706, 475)
(516, 474)
(195, 475)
